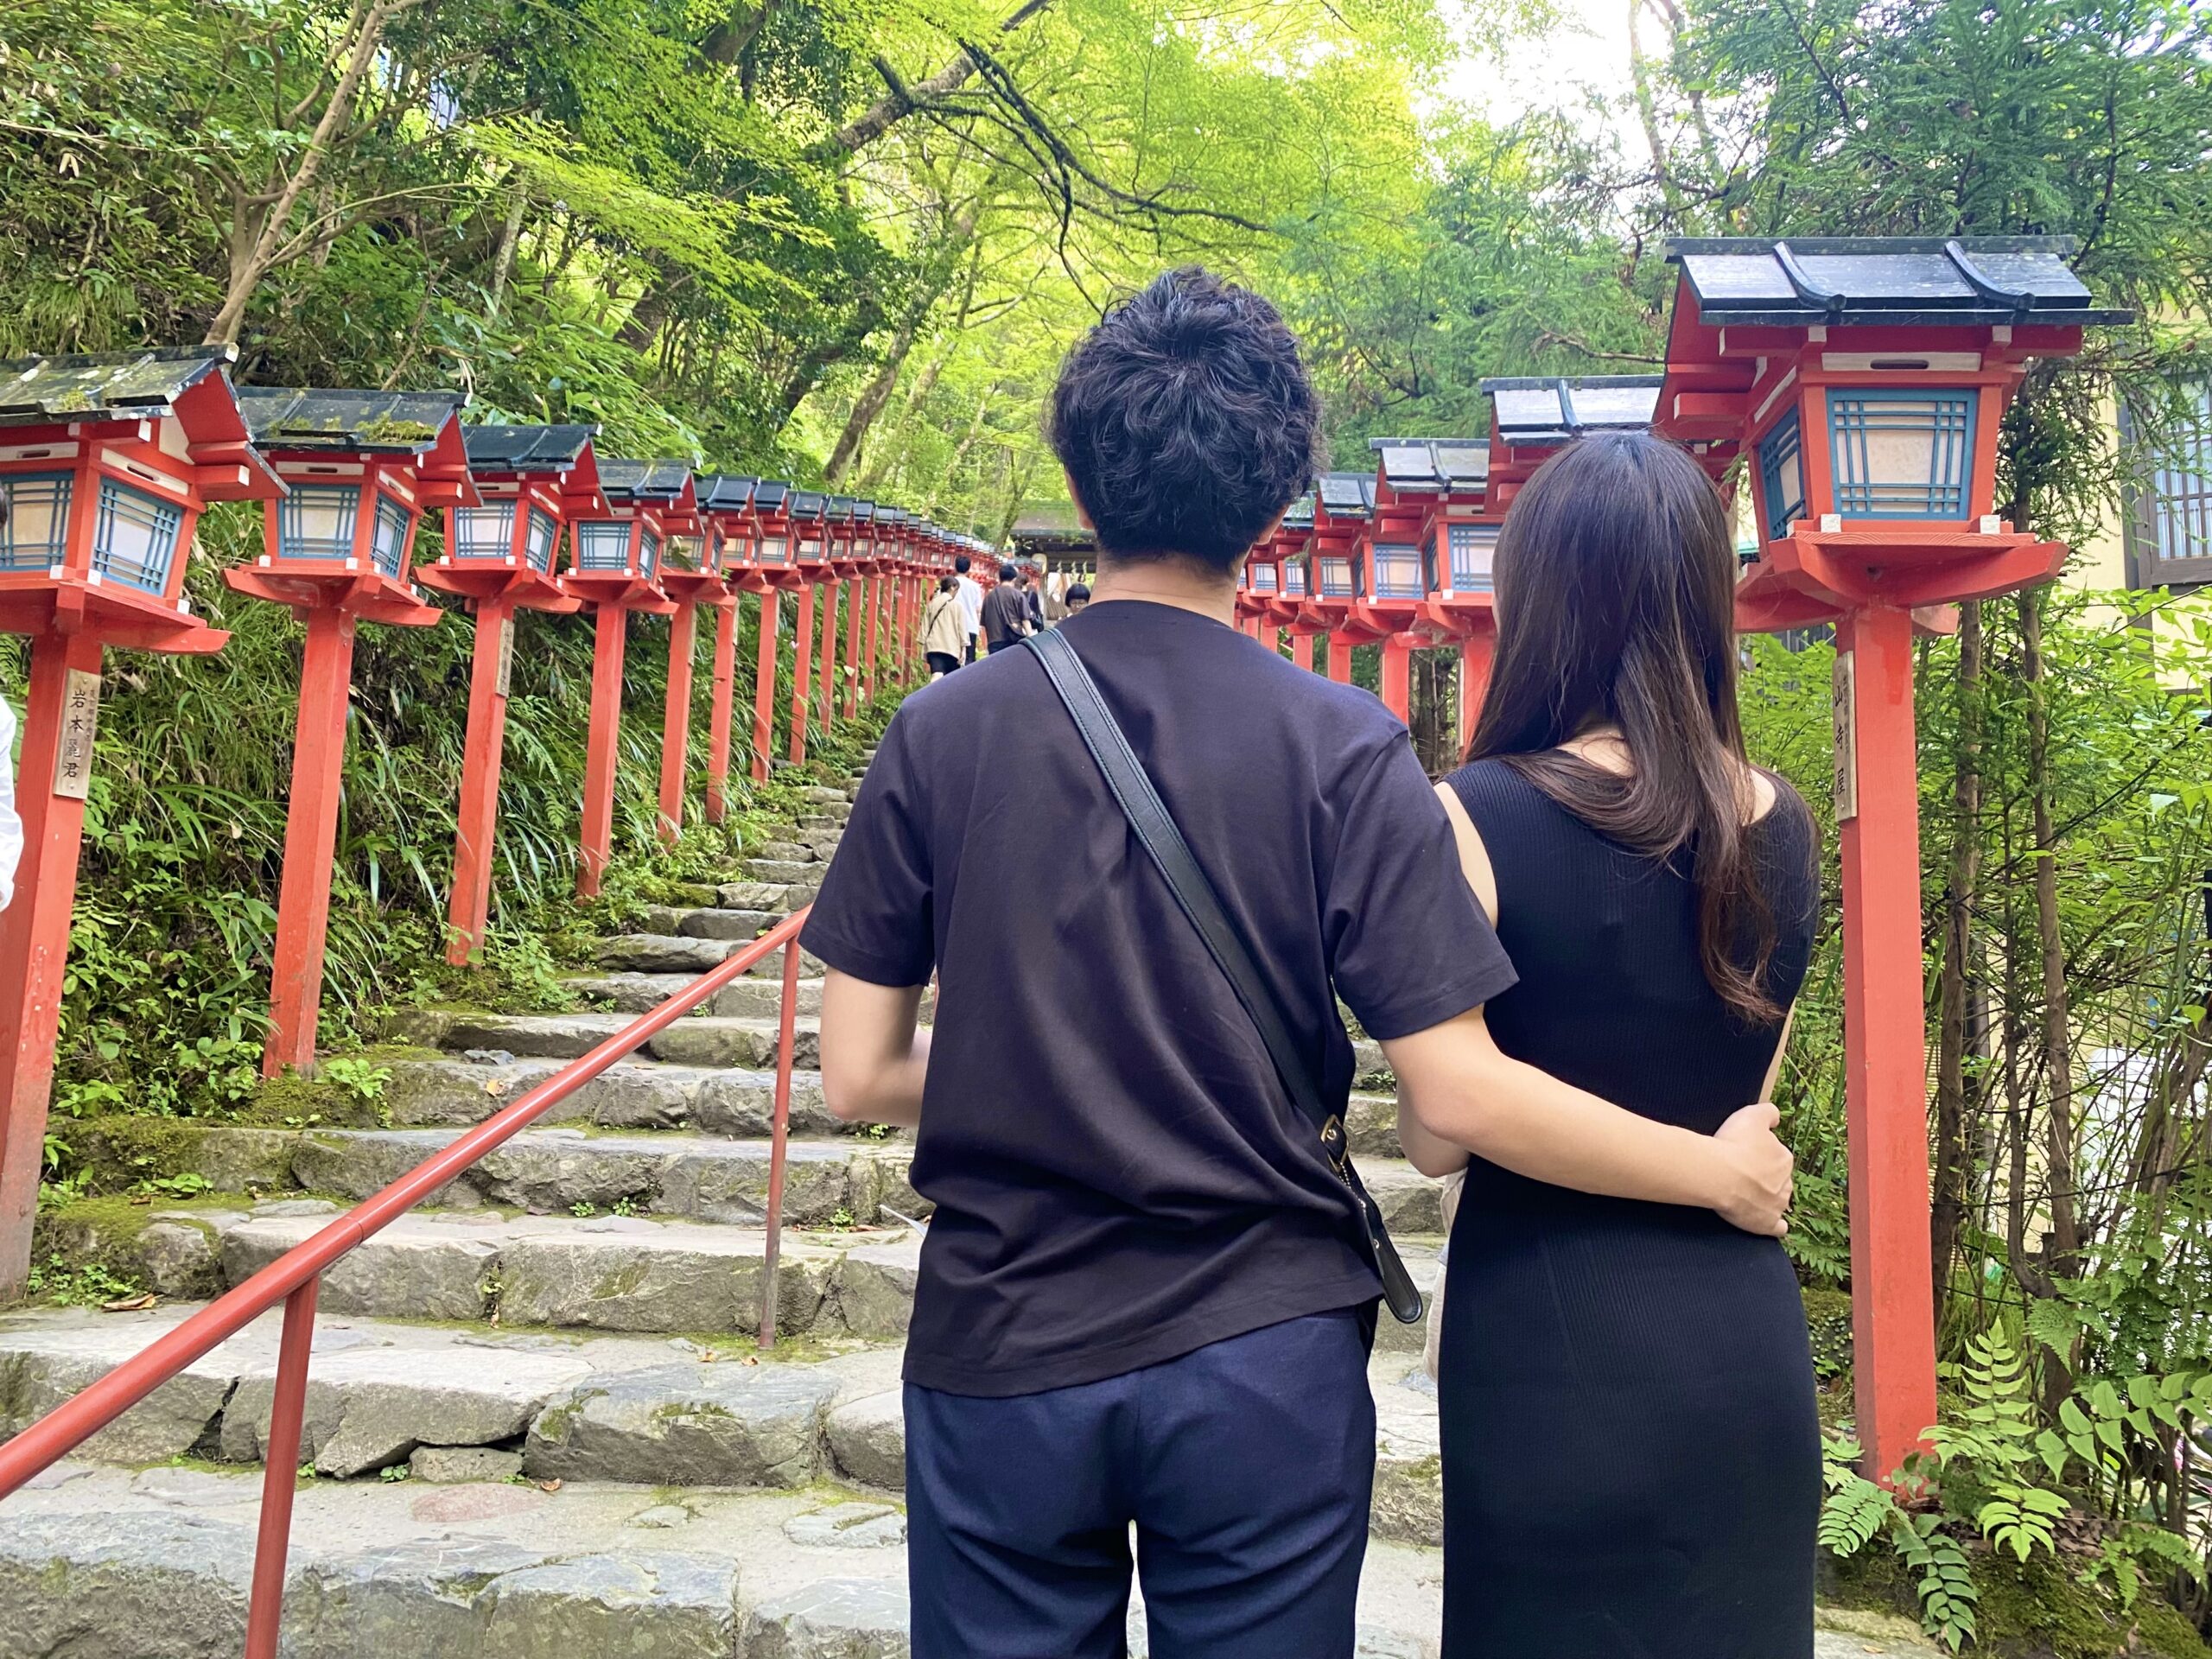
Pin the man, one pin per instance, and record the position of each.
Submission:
(1145, 1297)
(1006, 611)
(971, 601)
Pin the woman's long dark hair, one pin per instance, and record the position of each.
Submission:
(1616, 598)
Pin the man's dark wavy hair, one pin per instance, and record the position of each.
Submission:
(1186, 421)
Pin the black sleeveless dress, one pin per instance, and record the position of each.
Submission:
(1632, 1455)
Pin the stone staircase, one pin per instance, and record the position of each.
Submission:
(539, 1424)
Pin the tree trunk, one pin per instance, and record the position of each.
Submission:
(253, 256)
(2057, 1041)
(503, 264)
(903, 100)
(1952, 1158)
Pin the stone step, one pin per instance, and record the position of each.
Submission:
(565, 1171)
(711, 921)
(112, 1564)
(696, 1040)
(749, 997)
(629, 1095)
(789, 872)
(768, 897)
(663, 953)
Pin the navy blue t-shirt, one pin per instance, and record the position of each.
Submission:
(1119, 1176)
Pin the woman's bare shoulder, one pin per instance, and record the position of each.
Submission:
(1474, 857)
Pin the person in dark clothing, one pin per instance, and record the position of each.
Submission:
(1146, 1298)
(1032, 590)
(1006, 612)
(1659, 897)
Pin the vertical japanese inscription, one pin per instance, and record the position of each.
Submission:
(80, 714)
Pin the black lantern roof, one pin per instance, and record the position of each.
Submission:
(644, 480)
(526, 448)
(1299, 514)
(1346, 495)
(808, 504)
(770, 495)
(388, 423)
(123, 384)
(892, 515)
(1432, 463)
(725, 493)
(1533, 410)
(1925, 281)
(839, 507)
(863, 512)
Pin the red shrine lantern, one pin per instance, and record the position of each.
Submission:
(776, 556)
(810, 553)
(690, 577)
(1433, 534)
(107, 463)
(499, 556)
(1864, 381)
(726, 508)
(1407, 487)
(360, 468)
(1285, 568)
(1533, 417)
(615, 559)
(1335, 575)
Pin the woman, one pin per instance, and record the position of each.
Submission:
(944, 635)
(1631, 1457)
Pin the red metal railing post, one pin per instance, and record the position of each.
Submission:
(280, 1476)
(786, 1042)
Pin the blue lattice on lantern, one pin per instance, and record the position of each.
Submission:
(602, 544)
(37, 528)
(545, 534)
(1397, 570)
(1474, 547)
(1901, 455)
(135, 536)
(1293, 579)
(486, 532)
(775, 550)
(1782, 475)
(649, 554)
(315, 521)
(388, 539)
(1263, 576)
(1339, 576)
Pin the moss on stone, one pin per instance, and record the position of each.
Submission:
(2036, 1611)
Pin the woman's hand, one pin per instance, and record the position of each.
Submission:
(1756, 1172)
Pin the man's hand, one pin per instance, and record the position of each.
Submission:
(1757, 1173)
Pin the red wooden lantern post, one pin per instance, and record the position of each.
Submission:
(361, 468)
(855, 550)
(689, 578)
(809, 548)
(725, 509)
(1286, 608)
(614, 567)
(500, 557)
(1429, 497)
(1411, 477)
(777, 573)
(1334, 576)
(1865, 379)
(107, 463)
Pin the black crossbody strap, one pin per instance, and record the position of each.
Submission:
(1147, 814)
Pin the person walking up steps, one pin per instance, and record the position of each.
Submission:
(944, 635)
(971, 603)
(1146, 1295)
(1006, 611)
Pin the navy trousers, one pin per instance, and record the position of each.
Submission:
(1245, 1469)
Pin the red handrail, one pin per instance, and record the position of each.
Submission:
(295, 1277)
